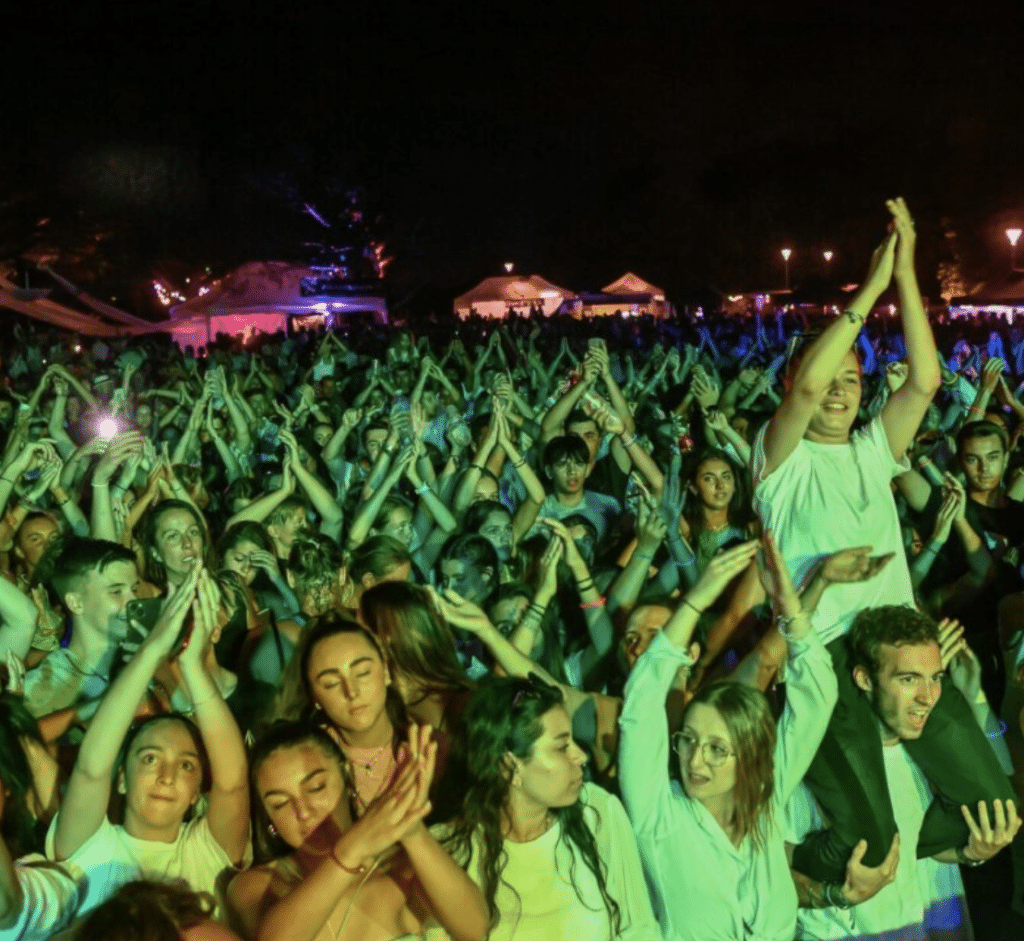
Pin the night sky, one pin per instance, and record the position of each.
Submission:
(686, 142)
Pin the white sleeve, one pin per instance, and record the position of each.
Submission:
(644, 741)
(52, 893)
(811, 694)
(625, 882)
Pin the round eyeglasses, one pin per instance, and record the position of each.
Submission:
(714, 753)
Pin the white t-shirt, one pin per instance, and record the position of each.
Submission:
(51, 893)
(111, 857)
(827, 497)
(926, 901)
(536, 898)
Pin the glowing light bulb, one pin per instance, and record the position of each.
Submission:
(108, 428)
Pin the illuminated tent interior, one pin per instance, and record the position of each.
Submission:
(262, 296)
(630, 295)
(495, 297)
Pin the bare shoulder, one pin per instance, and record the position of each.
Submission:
(251, 894)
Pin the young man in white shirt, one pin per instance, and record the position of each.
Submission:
(897, 665)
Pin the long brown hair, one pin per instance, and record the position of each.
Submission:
(748, 718)
(416, 640)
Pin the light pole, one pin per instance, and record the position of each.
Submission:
(786, 252)
(828, 262)
(509, 266)
(1013, 235)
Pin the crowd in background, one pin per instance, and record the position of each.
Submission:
(502, 630)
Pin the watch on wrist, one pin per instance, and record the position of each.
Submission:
(964, 860)
(834, 896)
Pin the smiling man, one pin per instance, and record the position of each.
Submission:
(897, 668)
(820, 485)
(95, 580)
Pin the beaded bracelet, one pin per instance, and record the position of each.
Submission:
(358, 871)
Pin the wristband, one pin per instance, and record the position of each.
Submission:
(629, 443)
(358, 871)
(588, 605)
(1002, 731)
(833, 894)
(784, 623)
(519, 463)
(964, 860)
(478, 467)
(8, 479)
(642, 555)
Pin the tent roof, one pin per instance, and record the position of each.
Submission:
(633, 284)
(1005, 292)
(515, 289)
(273, 286)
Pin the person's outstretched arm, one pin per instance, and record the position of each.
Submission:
(906, 407)
(820, 364)
(228, 800)
(85, 803)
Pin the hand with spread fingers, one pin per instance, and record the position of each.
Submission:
(988, 837)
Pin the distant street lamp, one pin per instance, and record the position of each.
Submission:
(786, 252)
(509, 266)
(1013, 235)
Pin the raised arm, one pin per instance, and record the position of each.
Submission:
(85, 803)
(228, 800)
(822, 361)
(906, 407)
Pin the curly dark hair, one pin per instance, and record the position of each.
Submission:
(893, 624)
(505, 717)
(147, 911)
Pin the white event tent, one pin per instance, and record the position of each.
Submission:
(495, 297)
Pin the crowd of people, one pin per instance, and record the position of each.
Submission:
(525, 630)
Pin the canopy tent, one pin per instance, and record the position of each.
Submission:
(630, 295)
(1003, 296)
(261, 296)
(496, 297)
(38, 304)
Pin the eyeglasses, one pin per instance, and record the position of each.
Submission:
(714, 754)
